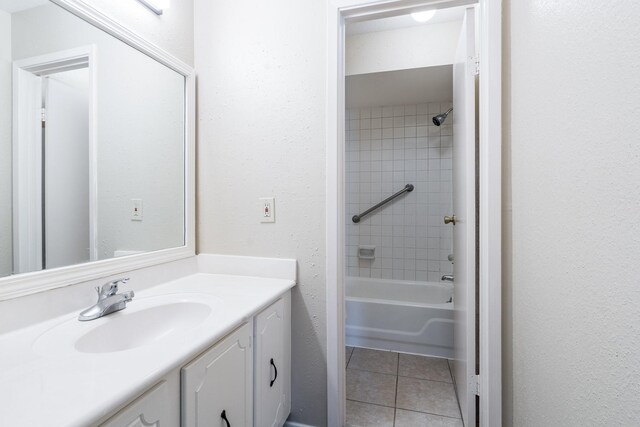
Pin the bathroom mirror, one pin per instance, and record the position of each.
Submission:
(95, 147)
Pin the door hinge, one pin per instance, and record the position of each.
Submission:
(475, 65)
(43, 115)
(475, 385)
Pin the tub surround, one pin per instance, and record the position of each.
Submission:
(388, 147)
(67, 387)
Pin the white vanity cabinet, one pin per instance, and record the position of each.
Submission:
(158, 407)
(272, 378)
(217, 386)
(243, 380)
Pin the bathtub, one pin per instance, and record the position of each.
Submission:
(400, 315)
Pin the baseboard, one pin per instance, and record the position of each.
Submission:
(294, 424)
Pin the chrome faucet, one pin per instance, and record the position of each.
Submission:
(447, 278)
(109, 300)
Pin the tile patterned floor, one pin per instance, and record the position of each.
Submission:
(388, 389)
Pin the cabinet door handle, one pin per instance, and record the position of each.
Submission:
(223, 415)
(276, 375)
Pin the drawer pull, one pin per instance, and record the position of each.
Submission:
(223, 415)
(276, 373)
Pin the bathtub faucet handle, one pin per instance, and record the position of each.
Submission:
(447, 278)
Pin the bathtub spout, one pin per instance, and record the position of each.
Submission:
(447, 278)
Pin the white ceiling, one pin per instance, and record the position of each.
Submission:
(403, 21)
(413, 86)
(12, 6)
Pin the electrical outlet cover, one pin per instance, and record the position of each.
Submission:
(267, 209)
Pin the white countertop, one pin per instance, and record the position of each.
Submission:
(68, 388)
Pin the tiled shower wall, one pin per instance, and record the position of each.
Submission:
(387, 148)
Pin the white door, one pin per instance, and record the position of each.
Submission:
(27, 173)
(217, 387)
(273, 353)
(66, 168)
(464, 207)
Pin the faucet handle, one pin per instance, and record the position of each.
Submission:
(111, 288)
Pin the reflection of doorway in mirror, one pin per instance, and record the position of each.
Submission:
(54, 171)
(65, 168)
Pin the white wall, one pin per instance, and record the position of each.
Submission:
(414, 47)
(387, 148)
(6, 258)
(172, 31)
(400, 87)
(261, 102)
(571, 86)
(140, 130)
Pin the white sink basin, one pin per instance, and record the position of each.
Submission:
(144, 322)
(142, 327)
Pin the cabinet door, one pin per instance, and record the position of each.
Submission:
(152, 409)
(217, 386)
(272, 364)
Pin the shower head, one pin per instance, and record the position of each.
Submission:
(440, 118)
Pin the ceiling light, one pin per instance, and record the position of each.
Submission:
(423, 16)
(156, 5)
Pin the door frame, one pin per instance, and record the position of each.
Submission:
(490, 182)
(27, 207)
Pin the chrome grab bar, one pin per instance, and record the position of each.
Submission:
(407, 189)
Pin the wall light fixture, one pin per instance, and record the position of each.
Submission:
(423, 16)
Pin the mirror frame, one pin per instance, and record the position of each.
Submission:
(38, 281)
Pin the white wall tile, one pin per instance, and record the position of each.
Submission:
(388, 147)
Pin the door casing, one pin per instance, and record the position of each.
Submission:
(27, 156)
(490, 206)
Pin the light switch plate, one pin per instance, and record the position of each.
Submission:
(136, 209)
(267, 209)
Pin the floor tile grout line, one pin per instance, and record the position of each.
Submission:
(455, 391)
(397, 379)
(426, 379)
(424, 356)
(403, 376)
(374, 404)
(395, 402)
(430, 413)
(372, 372)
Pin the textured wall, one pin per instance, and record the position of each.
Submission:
(387, 148)
(401, 49)
(507, 229)
(575, 293)
(261, 132)
(6, 243)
